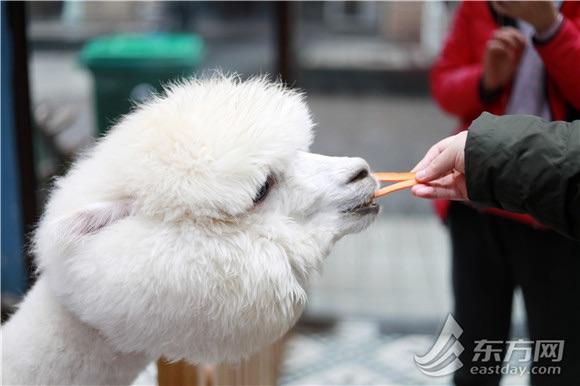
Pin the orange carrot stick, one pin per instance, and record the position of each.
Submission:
(393, 177)
(395, 187)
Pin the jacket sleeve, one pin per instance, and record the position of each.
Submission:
(455, 76)
(527, 165)
(561, 57)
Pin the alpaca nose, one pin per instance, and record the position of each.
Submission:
(361, 171)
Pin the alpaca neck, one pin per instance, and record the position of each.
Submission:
(44, 343)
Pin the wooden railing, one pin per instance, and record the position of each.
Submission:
(260, 370)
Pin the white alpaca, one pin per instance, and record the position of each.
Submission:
(190, 231)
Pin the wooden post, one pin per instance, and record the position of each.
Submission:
(16, 15)
(285, 61)
(261, 369)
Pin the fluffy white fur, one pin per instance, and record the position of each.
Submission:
(151, 245)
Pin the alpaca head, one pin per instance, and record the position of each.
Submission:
(191, 230)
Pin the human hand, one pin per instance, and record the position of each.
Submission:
(541, 14)
(441, 173)
(502, 55)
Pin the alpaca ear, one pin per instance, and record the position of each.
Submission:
(92, 219)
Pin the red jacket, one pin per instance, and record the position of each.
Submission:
(456, 74)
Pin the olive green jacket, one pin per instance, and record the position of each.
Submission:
(524, 164)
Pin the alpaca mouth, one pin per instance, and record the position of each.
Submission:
(367, 207)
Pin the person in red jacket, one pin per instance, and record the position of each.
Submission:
(508, 57)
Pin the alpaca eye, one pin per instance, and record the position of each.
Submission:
(264, 190)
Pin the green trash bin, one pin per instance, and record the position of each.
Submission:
(129, 68)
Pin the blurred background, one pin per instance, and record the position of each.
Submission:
(69, 69)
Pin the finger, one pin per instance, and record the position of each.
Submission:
(505, 38)
(507, 30)
(451, 186)
(498, 48)
(433, 193)
(510, 39)
(433, 152)
(501, 51)
(516, 38)
(443, 164)
(428, 158)
(446, 180)
(454, 192)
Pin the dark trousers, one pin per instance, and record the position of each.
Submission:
(491, 257)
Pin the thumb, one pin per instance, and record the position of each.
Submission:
(442, 165)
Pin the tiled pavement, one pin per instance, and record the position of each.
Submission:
(398, 270)
(357, 353)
